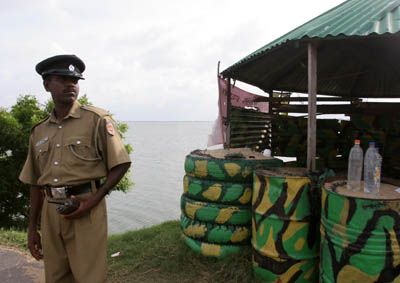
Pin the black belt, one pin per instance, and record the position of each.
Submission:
(71, 190)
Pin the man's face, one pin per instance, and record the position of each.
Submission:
(64, 90)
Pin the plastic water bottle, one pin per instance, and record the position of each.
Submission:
(355, 167)
(372, 170)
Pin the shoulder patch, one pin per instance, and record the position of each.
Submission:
(110, 128)
(100, 112)
(40, 122)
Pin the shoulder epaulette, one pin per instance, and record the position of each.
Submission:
(40, 122)
(96, 110)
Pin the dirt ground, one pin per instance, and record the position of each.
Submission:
(18, 267)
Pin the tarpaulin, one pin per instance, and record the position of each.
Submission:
(239, 98)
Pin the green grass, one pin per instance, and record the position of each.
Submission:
(13, 238)
(158, 254)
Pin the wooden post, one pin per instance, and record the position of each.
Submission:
(270, 104)
(270, 112)
(228, 114)
(312, 106)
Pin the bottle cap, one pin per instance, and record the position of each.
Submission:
(371, 143)
(357, 142)
(267, 152)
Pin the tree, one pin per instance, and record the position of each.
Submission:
(15, 128)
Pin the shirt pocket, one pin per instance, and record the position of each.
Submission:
(80, 148)
(42, 155)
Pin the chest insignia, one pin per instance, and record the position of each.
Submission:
(42, 141)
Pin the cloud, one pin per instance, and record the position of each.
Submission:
(146, 60)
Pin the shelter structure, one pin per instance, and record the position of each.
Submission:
(349, 53)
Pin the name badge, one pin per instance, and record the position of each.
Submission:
(42, 141)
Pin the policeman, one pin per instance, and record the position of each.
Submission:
(75, 154)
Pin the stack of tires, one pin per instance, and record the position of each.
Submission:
(216, 203)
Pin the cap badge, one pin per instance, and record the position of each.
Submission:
(71, 68)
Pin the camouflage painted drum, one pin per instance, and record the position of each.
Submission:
(285, 234)
(360, 235)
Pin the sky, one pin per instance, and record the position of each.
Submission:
(145, 60)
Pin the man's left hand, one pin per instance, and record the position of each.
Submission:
(85, 206)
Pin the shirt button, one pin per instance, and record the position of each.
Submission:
(55, 180)
(40, 150)
(55, 162)
(58, 145)
(78, 142)
(59, 126)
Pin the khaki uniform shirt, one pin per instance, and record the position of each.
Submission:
(84, 146)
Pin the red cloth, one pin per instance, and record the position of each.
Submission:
(239, 98)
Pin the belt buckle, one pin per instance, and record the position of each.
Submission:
(59, 192)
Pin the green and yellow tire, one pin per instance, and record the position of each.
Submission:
(211, 250)
(217, 191)
(235, 167)
(214, 233)
(216, 213)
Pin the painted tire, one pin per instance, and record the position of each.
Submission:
(217, 191)
(211, 250)
(215, 213)
(199, 164)
(214, 233)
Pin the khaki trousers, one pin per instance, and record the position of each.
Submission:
(74, 250)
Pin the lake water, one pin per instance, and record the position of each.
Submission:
(157, 171)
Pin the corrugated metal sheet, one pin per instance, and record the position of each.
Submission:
(353, 18)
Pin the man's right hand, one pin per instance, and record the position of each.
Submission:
(35, 244)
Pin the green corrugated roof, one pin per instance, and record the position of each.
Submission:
(353, 18)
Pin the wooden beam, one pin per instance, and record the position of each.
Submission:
(322, 109)
(364, 107)
(270, 92)
(312, 106)
(228, 114)
(249, 132)
(237, 120)
(236, 127)
(247, 138)
(301, 99)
